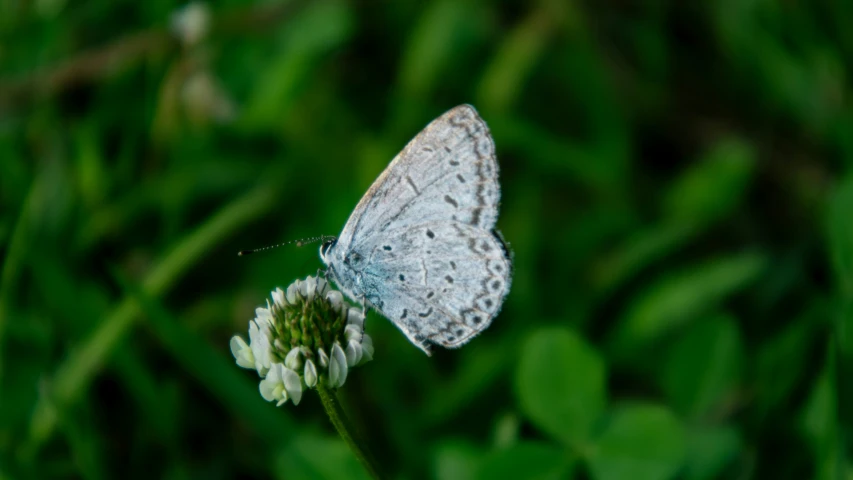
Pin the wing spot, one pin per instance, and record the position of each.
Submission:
(426, 314)
(454, 163)
(405, 313)
(475, 216)
(428, 149)
(488, 303)
(498, 268)
(460, 332)
(453, 264)
(430, 234)
(430, 294)
(449, 279)
(460, 178)
(496, 285)
(477, 319)
(387, 248)
(451, 338)
(402, 278)
(451, 201)
(485, 246)
(447, 149)
(412, 184)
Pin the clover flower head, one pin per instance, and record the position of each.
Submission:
(307, 335)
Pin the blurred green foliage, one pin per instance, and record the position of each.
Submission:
(677, 191)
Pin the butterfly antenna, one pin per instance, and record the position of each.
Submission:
(299, 243)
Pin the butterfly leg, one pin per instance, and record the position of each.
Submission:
(364, 305)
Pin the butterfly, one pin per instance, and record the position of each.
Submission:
(421, 246)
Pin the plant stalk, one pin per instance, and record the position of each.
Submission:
(345, 429)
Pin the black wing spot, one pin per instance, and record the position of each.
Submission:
(488, 303)
(496, 285)
(460, 332)
(412, 184)
(447, 149)
(426, 314)
(449, 279)
(486, 247)
(454, 163)
(453, 264)
(477, 320)
(460, 178)
(499, 268)
(475, 216)
(428, 149)
(451, 338)
(430, 234)
(402, 278)
(405, 313)
(430, 294)
(451, 201)
(387, 248)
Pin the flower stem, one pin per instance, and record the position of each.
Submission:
(345, 429)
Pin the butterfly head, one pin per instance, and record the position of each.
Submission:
(326, 248)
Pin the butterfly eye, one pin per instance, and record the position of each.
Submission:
(324, 249)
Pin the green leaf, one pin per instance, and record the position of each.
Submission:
(704, 365)
(311, 36)
(560, 383)
(819, 421)
(457, 459)
(682, 296)
(840, 233)
(709, 450)
(713, 187)
(638, 251)
(640, 442)
(534, 461)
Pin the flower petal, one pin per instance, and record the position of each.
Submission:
(338, 366)
(242, 352)
(293, 360)
(293, 385)
(310, 288)
(353, 353)
(335, 299)
(366, 348)
(323, 358)
(355, 316)
(310, 374)
(278, 298)
(291, 292)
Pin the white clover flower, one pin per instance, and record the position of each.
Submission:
(308, 335)
(323, 358)
(353, 353)
(278, 298)
(366, 348)
(272, 387)
(242, 352)
(191, 23)
(310, 374)
(337, 366)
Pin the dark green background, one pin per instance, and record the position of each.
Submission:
(676, 189)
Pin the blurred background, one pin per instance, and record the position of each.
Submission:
(676, 191)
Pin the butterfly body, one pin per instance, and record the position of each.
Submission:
(420, 247)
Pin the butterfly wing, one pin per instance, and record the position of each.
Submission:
(448, 172)
(431, 261)
(440, 282)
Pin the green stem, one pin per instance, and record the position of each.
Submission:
(345, 429)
